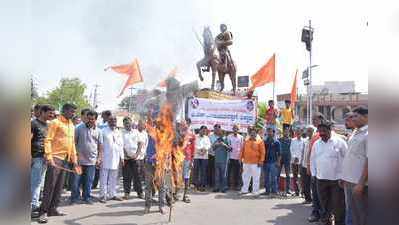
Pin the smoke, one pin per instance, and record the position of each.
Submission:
(158, 33)
(80, 38)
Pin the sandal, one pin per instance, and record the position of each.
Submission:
(186, 199)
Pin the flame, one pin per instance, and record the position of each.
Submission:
(169, 152)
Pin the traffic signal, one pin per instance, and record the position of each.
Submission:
(307, 37)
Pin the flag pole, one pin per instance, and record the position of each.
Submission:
(274, 80)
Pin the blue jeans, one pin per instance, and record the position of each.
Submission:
(200, 169)
(85, 180)
(348, 203)
(286, 162)
(271, 174)
(38, 171)
(221, 176)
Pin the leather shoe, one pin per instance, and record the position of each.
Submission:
(56, 213)
(116, 198)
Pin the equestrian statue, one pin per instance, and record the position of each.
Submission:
(223, 63)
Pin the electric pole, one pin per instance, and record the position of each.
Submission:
(94, 105)
(130, 107)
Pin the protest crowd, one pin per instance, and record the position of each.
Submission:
(328, 169)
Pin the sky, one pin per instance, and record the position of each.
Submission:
(80, 38)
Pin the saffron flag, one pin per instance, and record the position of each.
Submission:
(131, 70)
(294, 94)
(265, 75)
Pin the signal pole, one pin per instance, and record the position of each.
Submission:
(307, 37)
(310, 74)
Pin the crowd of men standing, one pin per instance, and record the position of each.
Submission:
(329, 170)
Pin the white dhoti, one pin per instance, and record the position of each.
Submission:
(108, 182)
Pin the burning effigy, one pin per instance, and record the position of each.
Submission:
(169, 148)
(169, 154)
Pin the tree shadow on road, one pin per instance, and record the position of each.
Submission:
(295, 216)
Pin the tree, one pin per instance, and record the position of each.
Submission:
(124, 104)
(70, 90)
(262, 106)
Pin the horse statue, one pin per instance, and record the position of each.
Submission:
(211, 62)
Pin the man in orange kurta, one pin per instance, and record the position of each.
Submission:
(252, 157)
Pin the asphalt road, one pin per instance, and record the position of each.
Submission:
(205, 209)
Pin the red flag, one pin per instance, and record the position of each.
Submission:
(265, 75)
(132, 71)
(294, 94)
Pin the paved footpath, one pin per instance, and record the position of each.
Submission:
(205, 209)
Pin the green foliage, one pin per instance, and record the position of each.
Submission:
(262, 106)
(69, 90)
(124, 104)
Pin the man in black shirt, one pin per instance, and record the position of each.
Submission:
(38, 166)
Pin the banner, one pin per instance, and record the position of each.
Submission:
(208, 112)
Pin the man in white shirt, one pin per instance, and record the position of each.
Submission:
(133, 152)
(305, 177)
(296, 148)
(236, 142)
(104, 123)
(355, 169)
(112, 157)
(326, 164)
(202, 146)
(143, 143)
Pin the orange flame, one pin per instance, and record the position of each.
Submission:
(169, 154)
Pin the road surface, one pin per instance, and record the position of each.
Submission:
(205, 209)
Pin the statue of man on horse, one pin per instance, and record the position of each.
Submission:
(222, 64)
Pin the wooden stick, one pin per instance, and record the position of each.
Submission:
(68, 170)
(170, 214)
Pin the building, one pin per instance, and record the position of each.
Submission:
(334, 99)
